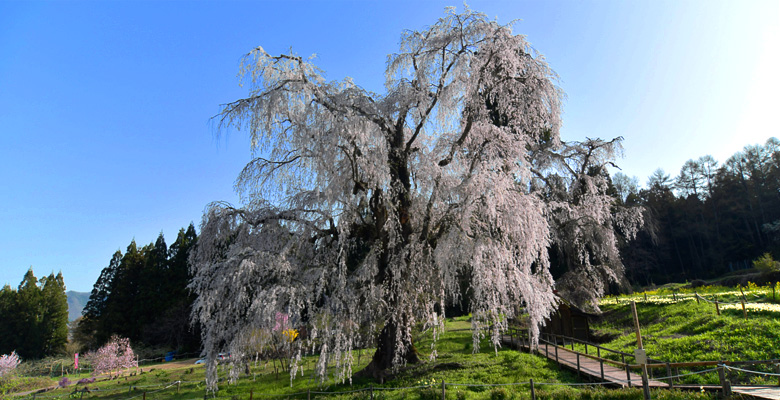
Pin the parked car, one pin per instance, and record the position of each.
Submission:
(220, 356)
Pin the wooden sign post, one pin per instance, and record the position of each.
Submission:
(640, 353)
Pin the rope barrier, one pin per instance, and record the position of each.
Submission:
(663, 378)
(350, 391)
(695, 295)
(580, 384)
(732, 303)
(160, 390)
(489, 384)
(282, 395)
(749, 371)
(359, 390)
(720, 302)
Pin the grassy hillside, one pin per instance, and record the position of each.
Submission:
(675, 328)
(456, 364)
(678, 328)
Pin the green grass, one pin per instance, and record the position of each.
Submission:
(456, 364)
(687, 331)
(674, 331)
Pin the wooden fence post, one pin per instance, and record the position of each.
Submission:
(669, 374)
(601, 362)
(251, 393)
(533, 392)
(717, 308)
(744, 312)
(697, 298)
(628, 374)
(777, 370)
(443, 390)
(724, 384)
(645, 383)
(308, 394)
(371, 391)
(578, 364)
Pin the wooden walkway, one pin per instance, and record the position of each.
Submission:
(594, 369)
(589, 366)
(599, 369)
(758, 392)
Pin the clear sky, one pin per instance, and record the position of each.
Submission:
(105, 106)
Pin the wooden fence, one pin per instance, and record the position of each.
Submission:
(728, 370)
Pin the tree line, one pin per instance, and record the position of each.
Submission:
(709, 220)
(142, 295)
(34, 317)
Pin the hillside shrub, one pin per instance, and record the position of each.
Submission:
(499, 393)
(766, 264)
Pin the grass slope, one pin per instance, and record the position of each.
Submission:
(677, 328)
(456, 364)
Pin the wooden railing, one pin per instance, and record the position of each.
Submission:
(671, 369)
(556, 341)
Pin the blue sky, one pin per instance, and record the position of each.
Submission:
(105, 106)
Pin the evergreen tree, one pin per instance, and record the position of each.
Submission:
(55, 314)
(123, 310)
(34, 317)
(142, 295)
(91, 328)
(29, 317)
(8, 337)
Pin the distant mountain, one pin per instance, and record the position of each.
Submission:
(76, 303)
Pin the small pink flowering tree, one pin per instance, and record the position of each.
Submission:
(115, 355)
(9, 362)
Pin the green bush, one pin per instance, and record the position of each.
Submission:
(430, 393)
(499, 393)
(766, 264)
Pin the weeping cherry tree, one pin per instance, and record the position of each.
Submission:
(363, 212)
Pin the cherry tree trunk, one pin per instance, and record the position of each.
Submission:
(381, 366)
